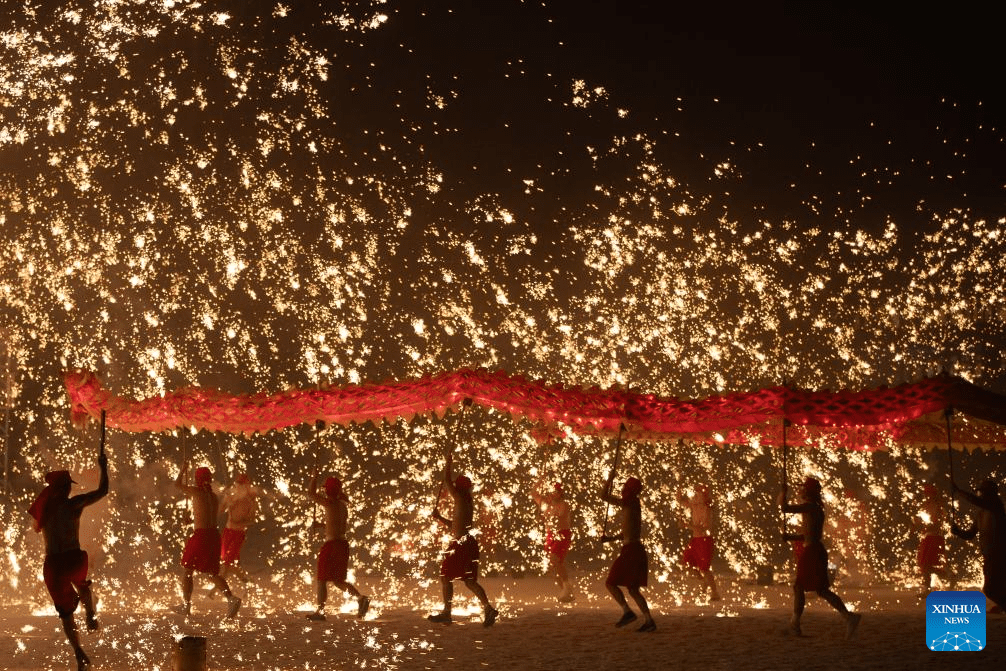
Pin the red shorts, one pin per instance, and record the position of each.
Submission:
(812, 568)
(461, 559)
(559, 546)
(699, 553)
(930, 554)
(231, 541)
(630, 568)
(202, 552)
(333, 561)
(64, 574)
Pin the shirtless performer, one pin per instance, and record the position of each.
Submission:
(57, 516)
(991, 531)
(461, 559)
(931, 546)
(699, 553)
(812, 565)
(630, 567)
(333, 559)
(202, 550)
(240, 503)
(558, 536)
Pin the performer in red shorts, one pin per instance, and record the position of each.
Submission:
(333, 559)
(630, 568)
(240, 502)
(462, 555)
(202, 550)
(57, 516)
(929, 557)
(558, 536)
(699, 554)
(812, 565)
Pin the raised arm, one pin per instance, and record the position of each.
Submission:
(971, 497)
(312, 491)
(790, 507)
(606, 494)
(448, 463)
(180, 480)
(96, 495)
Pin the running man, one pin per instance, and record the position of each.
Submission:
(558, 536)
(461, 559)
(812, 565)
(991, 531)
(240, 503)
(630, 569)
(333, 559)
(57, 516)
(698, 556)
(202, 550)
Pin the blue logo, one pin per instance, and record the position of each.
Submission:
(955, 621)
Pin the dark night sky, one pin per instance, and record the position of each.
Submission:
(824, 87)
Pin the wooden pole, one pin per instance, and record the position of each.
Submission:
(614, 468)
(947, 414)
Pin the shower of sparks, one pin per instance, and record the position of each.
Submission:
(191, 196)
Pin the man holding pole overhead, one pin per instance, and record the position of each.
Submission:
(202, 550)
(461, 559)
(991, 532)
(57, 516)
(630, 567)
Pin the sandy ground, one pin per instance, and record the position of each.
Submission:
(746, 630)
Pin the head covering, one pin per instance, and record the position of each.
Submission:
(242, 479)
(929, 490)
(558, 488)
(204, 477)
(812, 489)
(58, 488)
(333, 488)
(463, 482)
(631, 488)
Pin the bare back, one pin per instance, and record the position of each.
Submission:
(336, 514)
(461, 522)
(632, 520)
(205, 507)
(62, 530)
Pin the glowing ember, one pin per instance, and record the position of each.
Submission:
(270, 197)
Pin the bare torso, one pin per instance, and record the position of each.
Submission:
(557, 514)
(701, 517)
(205, 507)
(240, 505)
(632, 520)
(461, 522)
(62, 531)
